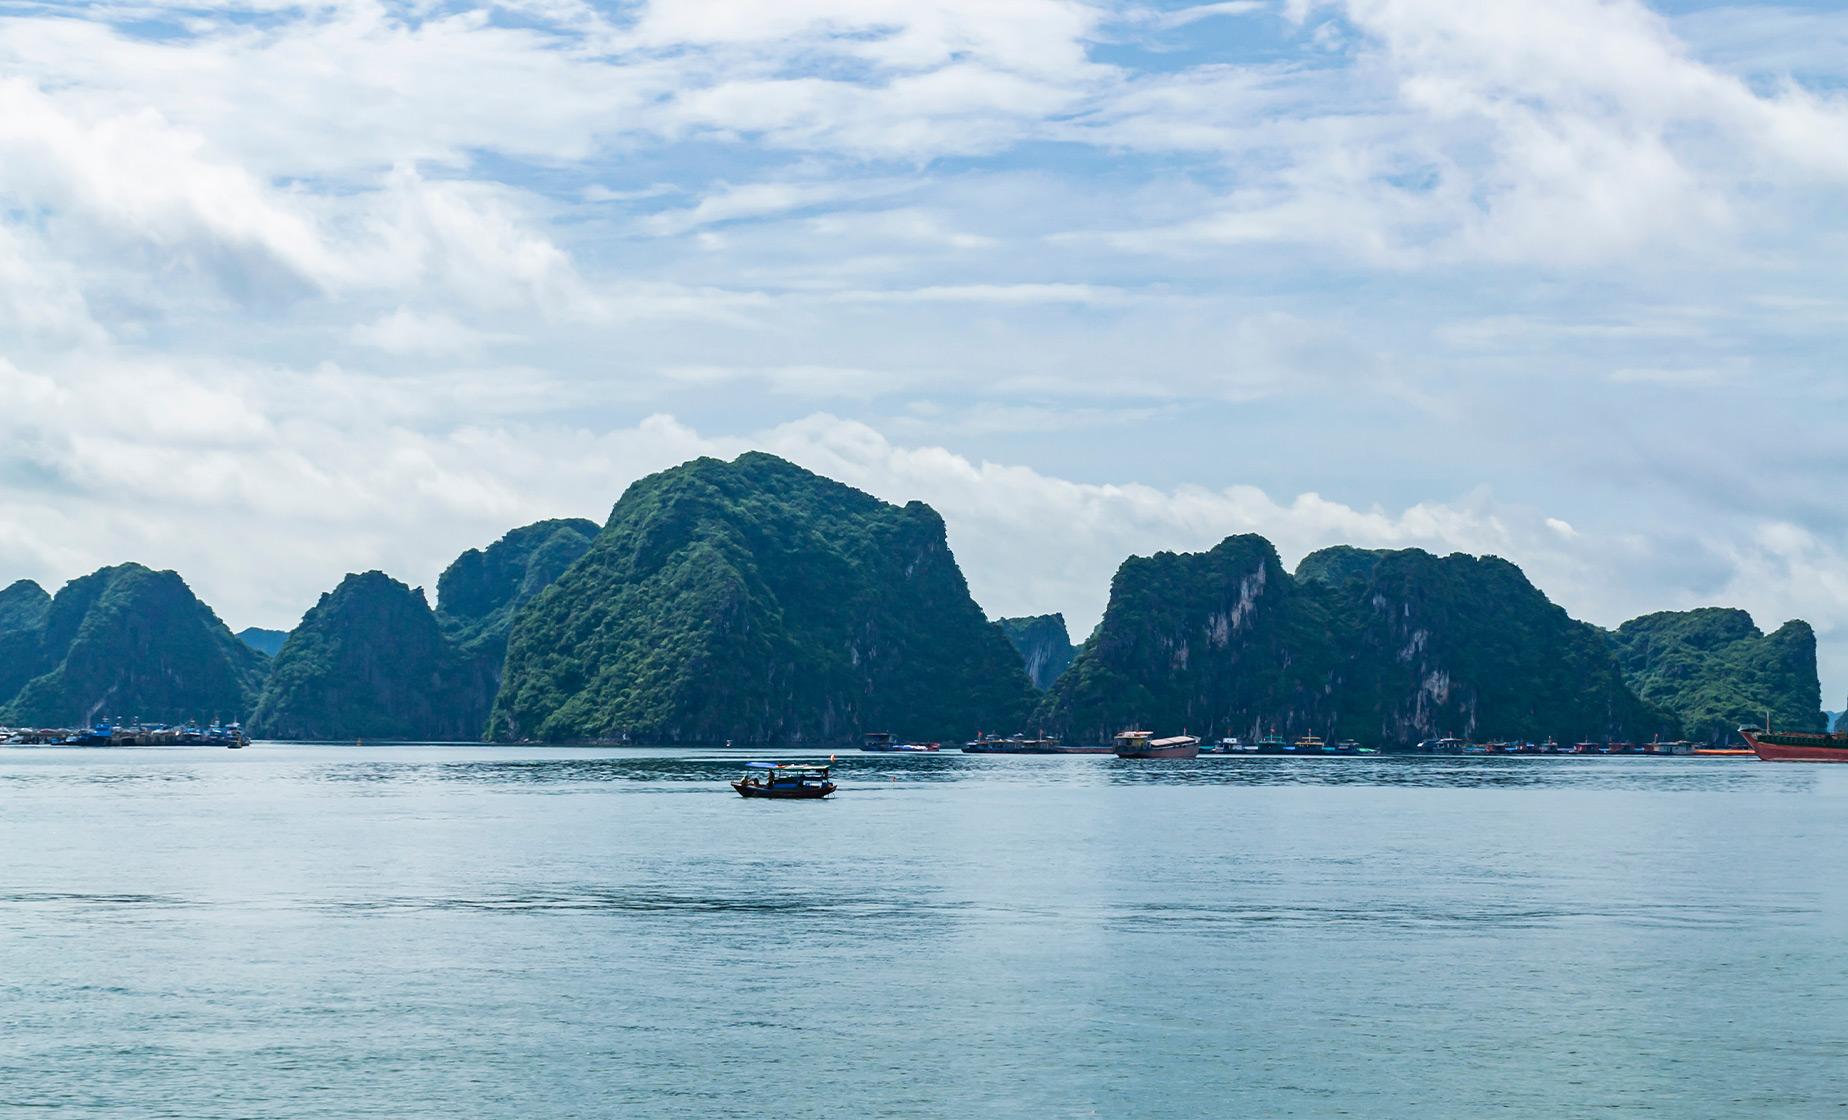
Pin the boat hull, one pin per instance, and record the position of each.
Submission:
(1161, 752)
(1035, 750)
(1819, 748)
(789, 793)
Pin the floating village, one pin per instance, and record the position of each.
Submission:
(130, 733)
(1143, 744)
(1131, 744)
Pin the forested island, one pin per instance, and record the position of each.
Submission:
(757, 602)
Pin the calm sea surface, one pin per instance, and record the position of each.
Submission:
(480, 932)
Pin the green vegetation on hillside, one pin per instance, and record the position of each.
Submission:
(1045, 646)
(1212, 643)
(477, 596)
(757, 602)
(1385, 647)
(1464, 645)
(23, 607)
(370, 662)
(130, 642)
(1715, 669)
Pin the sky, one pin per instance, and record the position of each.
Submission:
(291, 288)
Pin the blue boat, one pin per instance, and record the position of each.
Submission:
(774, 780)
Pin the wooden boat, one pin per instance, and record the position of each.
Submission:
(1143, 744)
(774, 780)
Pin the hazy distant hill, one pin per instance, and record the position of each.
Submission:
(755, 601)
(370, 662)
(1385, 647)
(266, 642)
(1715, 669)
(1044, 644)
(478, 594)
(130, 642)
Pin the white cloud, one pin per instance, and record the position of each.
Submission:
(379, 279)
(405, 332)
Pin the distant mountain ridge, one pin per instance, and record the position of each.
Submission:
(755, 601)
(1384, 647)
(1044, 644)
(266, 642)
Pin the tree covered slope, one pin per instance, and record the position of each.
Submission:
(131, 642)
(755, 601)
(370, 662)
(1717, 671)
(476, 597)
(1385, 647)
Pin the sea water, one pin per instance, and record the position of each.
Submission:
(484, 932)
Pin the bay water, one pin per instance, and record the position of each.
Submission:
(442, 931)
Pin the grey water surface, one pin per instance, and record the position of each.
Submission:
(296, 931)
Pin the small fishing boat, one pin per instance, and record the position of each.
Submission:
(1143, 744)
(775, 780)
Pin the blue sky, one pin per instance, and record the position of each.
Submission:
(361, 284)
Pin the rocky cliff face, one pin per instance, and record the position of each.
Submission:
(1385, 647)
(1044, 645)
(1213, 643)
(370, 662)
(477, 596)
(1464, 645)
(134, 643)
(1717, 671)
(757, 602)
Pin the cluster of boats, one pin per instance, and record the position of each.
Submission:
(1657, 748)
(1127, 744)
(132, 734)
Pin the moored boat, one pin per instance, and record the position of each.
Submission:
(885, 743)
(1021, 744)
(1143, 744)
(1797, 746)
(775, 780)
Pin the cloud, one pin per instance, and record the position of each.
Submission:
(406, 332)
(379, 279)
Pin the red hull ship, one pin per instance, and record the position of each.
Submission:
(1796, 746)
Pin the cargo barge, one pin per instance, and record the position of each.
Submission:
(1797, 746)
